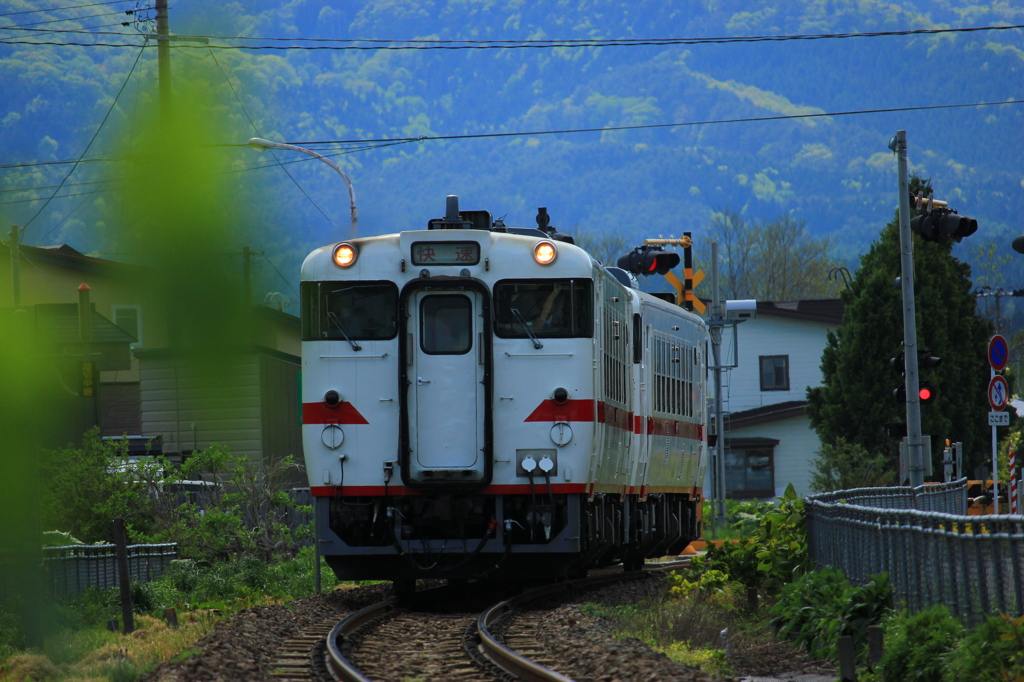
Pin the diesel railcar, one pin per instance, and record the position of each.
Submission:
(485, 400)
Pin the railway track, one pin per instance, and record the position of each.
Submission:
(443, 634)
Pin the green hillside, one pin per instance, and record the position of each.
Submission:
(834, 172)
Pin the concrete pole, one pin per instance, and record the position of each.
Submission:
(716, 353)
(914, 447)
(163, 57)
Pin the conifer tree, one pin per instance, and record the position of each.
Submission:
(856, 399)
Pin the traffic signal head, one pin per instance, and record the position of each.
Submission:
(925, 359)
(649, 260)
(943, 225)
(925, 392)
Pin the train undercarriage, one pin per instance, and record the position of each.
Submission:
(540, 536)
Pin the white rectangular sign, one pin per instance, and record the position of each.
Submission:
(998, 418)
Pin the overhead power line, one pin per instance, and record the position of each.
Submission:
(15, 27)
(781, 117)
(356, 145)
(61, 9)
(86, 150)
(337, 44)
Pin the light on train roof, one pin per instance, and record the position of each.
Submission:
(345, 255)
(545, 253)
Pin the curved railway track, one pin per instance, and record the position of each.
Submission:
(443, 634)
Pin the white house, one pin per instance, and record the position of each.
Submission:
(769, 442)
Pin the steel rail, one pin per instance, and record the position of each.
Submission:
(337, 663)
(495, 651)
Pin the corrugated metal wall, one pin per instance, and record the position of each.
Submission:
(282, 428)
(193, 409)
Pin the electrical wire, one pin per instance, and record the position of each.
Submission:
(367, 145)
(259, 134)
(60, 9)
(93, 139)
(648, 126)
(283, 278)
(414, 44)
(10, 27)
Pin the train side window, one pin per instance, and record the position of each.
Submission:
(363, 311)
(446, 325)
(638, 347)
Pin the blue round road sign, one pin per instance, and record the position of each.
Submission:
(998, 352)
(998, 393)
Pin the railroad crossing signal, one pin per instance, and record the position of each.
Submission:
(681, 291)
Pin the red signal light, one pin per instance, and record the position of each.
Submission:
(925, 394)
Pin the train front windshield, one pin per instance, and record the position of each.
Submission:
(364, 311)
(545, 308)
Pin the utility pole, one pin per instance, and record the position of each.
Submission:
(914, 445)
(717, 316)
(246, 276)
(163, 54)
(15, 266)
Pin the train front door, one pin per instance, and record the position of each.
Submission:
(446, 406)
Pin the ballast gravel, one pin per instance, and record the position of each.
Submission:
(579, 646)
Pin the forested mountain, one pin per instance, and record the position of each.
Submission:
(835, 172)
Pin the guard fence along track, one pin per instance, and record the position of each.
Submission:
(444, 634)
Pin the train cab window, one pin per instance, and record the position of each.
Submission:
(360, 311)
(446, 325)
(548, 308)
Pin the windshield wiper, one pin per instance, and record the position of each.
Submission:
(519, 317)
(337, 323)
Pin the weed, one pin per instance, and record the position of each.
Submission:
(916, 645)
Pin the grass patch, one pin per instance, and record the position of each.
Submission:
(79, 648)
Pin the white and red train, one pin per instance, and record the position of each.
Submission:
(480, 399)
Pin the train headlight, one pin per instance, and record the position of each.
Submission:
(345, 255)
(545, 253)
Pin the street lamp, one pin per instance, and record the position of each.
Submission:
(259, 144)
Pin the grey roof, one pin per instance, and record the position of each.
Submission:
(57, 323)
(765, 414)
(827, 310)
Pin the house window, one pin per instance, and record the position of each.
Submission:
(750, 469)
(128, 318)
(774, 372)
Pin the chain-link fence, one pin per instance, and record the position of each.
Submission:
(73, 568)
(932, 552)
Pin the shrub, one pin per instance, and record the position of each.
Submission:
(916, 645)
(819, 607)
(991, 652)
(808, 608)
(774, 556)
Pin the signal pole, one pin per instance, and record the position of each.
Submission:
(914, 445)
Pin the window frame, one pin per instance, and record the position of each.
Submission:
(761, 366)
(749, 449)
(138, 320)
(421, 323)
(586, 332)
(311, 308)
